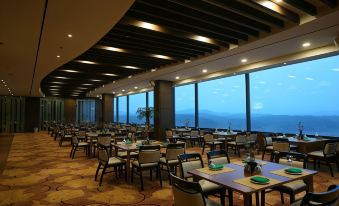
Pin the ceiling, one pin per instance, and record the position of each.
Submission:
(34, 33)
(136, 42)
(155, 36)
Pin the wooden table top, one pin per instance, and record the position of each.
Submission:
(133, 146)
(227, 179)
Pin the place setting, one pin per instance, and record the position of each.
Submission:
(214, 169)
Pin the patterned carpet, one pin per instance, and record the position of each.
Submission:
(39, 172)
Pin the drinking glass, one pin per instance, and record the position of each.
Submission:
(289, 160)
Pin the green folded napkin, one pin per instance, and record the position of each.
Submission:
(260, 179)
(293, 170)
(216, 166)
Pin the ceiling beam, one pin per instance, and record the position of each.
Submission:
(248, 11)
(330, 3)
(303, 6)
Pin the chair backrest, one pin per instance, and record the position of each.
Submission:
(149, 154)
(299, 159)
(240, 139)
(104, 140)
(187, 193)
(261, 141)
(188, 162)
(253, 137)
(82, 133)
(281, 146)
(74, 140)
(268, 141)
(218, 157)
(102, 153)
(194, 133)
(174, 149)
(330, 148)
(169, 133)
(329, 198)
(208, 138)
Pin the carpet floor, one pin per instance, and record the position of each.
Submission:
(39, 172)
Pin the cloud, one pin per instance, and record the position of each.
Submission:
(262, 82)
(258, 106)
(309, 78)
(292, 77)
(335, 69)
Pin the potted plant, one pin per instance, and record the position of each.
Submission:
(147, 113)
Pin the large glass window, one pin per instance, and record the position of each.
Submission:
(151, 104)
(122, 110)
(136, 101)
(185, 105)
(85, 111)
(115, 110)
(223, 102)
(304, 92)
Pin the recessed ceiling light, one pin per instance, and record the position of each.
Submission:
(113, 92)
(187, 60)
(130, 76)
(87, 84)
(285, 63)
(135, 87)
(153, 70)
(130, 67)
(109, 74)
(82, 88)
(204, 70)
(95, 80)
(54, 89)
(161, 56)
(69, 35)
(54, 86)
(70, 70)
(147, 25)
(243, 60)
(177, 77)
(57, 82)
(58, 56)
(306, 44)
(202, 38)
(113, 82)
(85, 62)
(123, 90)
(278, 1)
(62, 77)
(109, 48)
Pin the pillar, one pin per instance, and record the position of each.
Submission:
(70, 109)
(107, 107)
(163, 107)
(32, 116)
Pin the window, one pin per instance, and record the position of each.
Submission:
(136, 101)
(85, 111)
(304, 92)
(185, 105)
(122, 110)
(115, 110)
(151, 104)
(223, 101)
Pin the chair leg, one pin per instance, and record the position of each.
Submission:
(222, 197)
(263, 154)
(282, 197)
(75, 149)
(150, 174)
(230, 197)
(292, 198)
(102, 174)
(169, 174)
(70, 154)
(132, 173)
(203, 147)
(141, 180)
(257, 198)
(329, 165)
(96, 173)
(159, 170)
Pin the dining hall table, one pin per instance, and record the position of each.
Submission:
(307, 144)
(233, 177)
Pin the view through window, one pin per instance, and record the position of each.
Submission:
(122, 111)
(136, 101)
(185, 105)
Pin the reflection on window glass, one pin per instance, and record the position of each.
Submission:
(151, 104)
(185, 105)
(85, 112)
(136, 101)
(223, 102)
(115, 111)
(304, 92)
(122, 109)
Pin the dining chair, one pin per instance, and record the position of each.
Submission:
(105, 161)
(279, 147)
(148, 159)
(218, 157)
(292, 188)
(268, 146)
(191, 161)
(76, 144)
(328, 154)
(208, 139)
(195, 138)
(329, 198)
(171, 137)
(188, 193)
(170, 161)
(240, 141)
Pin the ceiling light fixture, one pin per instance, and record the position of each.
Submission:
(161, 56)
(153, 70)
(109, 48)
(58, 56)
(204, 70)
(306, 44)
(85, 62)
(135, 87)
(130, 67)
(69, 35)
(244, 60)
(95, 80)
(123, 90)
(177, 77)
(202, 38)
(62, 77)
(130, 76)
(70, 70)
(109, 74)
(57, 82)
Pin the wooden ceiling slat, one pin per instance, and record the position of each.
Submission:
(222, 13)
(247, 11)
(303, 6)
(198, 17)
(330, 3)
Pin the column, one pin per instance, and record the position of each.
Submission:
(107, 107)
(163, 107)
